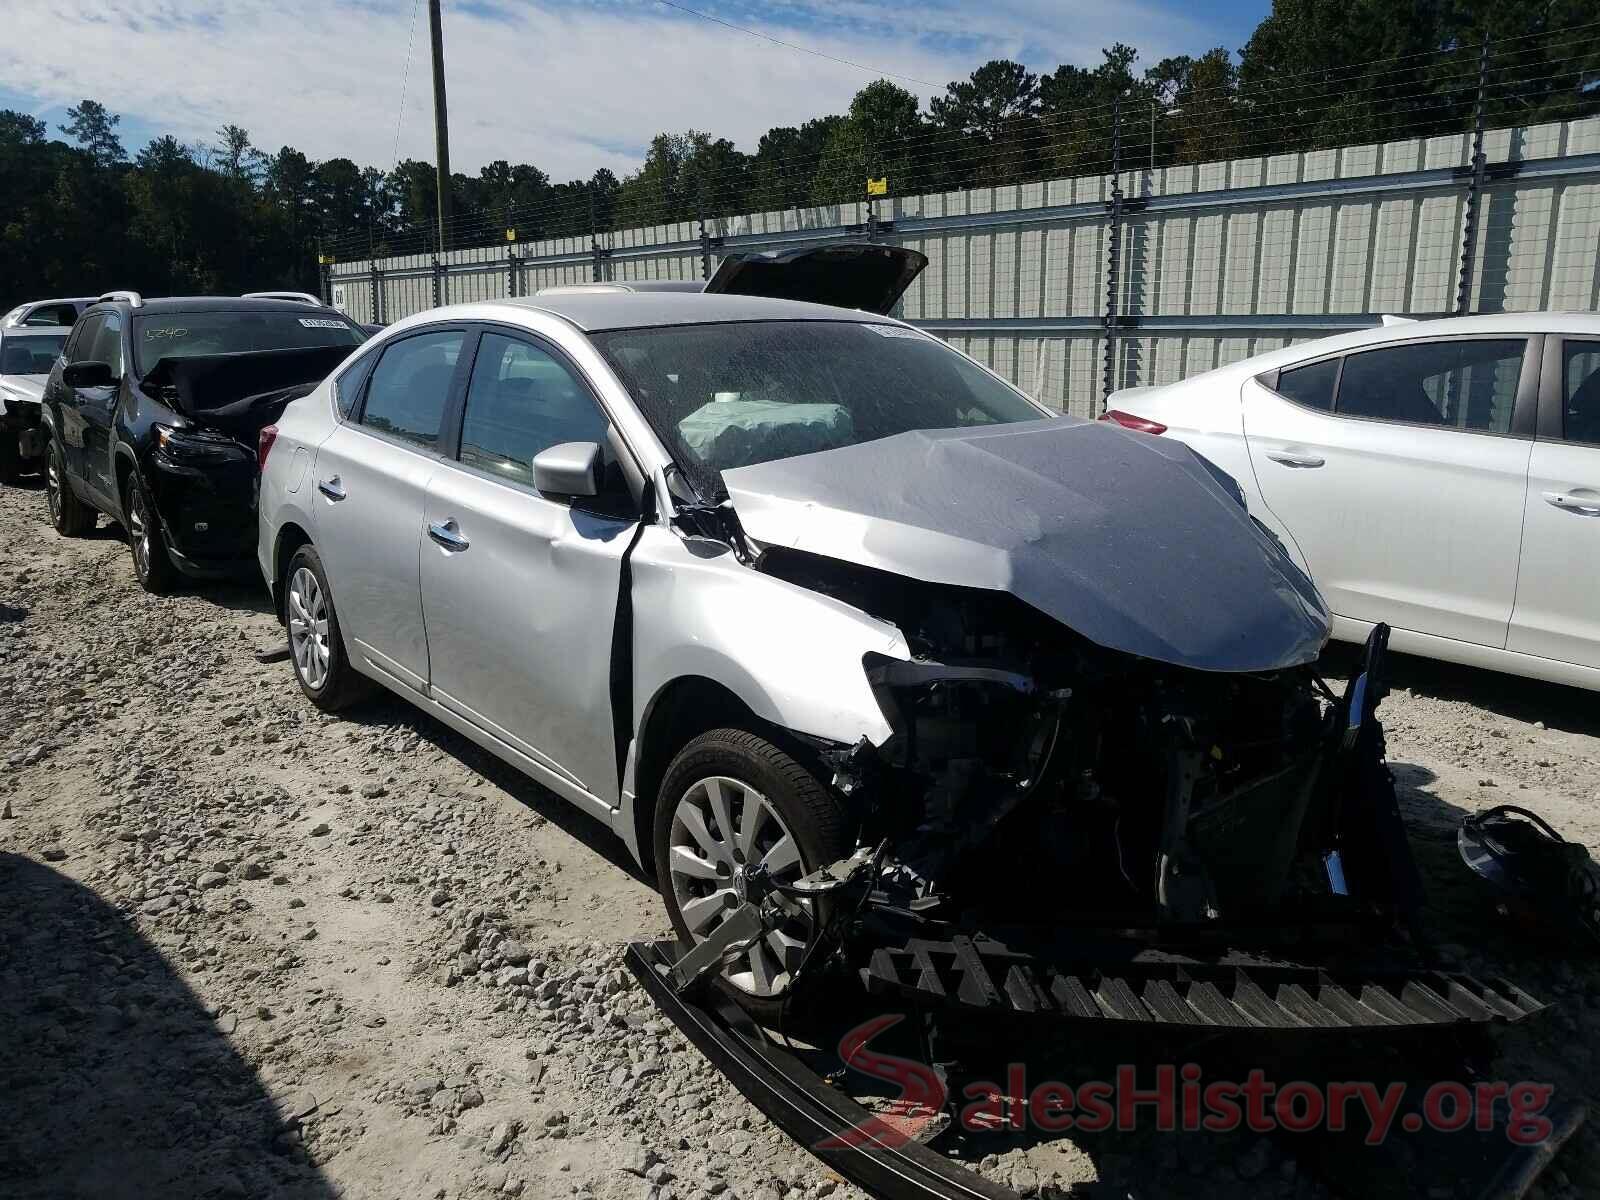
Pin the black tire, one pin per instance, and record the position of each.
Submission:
(803, 806)
(340, 684)
(69, 516)
(151, 566)
(10, 458)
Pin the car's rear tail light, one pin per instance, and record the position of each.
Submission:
(1128, 421)
(264, 440)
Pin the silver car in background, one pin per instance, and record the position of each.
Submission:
(756, 582)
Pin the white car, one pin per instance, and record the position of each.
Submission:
(27, 354)
(45, 313)
(1440, 476)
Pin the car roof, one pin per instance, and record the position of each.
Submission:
(1518, 323)
(595, 311)
(194, 304)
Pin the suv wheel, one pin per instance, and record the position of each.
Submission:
(316, 645)
(70, 516)
(150, 563)
(729, 801)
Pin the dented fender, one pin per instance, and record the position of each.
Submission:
(791, 655)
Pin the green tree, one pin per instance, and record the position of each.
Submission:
(876, 140)
(93, 128)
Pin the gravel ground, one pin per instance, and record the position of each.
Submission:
(249, 950)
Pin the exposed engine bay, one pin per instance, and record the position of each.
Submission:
(1101, 787)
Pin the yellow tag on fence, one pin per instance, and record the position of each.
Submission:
(878, 187)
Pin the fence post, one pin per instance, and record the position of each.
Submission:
(705, 250)
(511, 272)
(1113, 258)
(377, 292)
(438, 282)
(1469, 225)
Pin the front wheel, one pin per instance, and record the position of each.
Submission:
(729, 801)
(151, 566)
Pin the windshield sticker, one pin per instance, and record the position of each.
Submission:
(165, 332)
(321, 323)
(895, 331)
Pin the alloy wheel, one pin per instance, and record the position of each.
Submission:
(139, 530)
(52, 485)
(308, 628)
(720, 830)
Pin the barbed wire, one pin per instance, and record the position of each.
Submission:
(1424, 94)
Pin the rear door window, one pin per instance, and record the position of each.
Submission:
(52, 314)
(1580, 395)
(410, 386)
(1311, 385)
(1469, 385)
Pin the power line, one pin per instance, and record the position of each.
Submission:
(767, 37)
(405, 79)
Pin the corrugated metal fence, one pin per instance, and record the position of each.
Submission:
(1214, 261)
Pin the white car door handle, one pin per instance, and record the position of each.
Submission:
(448, 536)
(331, 488)
(1289, 459)
(1588, 506)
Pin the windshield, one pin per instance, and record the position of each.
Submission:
(724, 396)
(186, 335)
(30, 353)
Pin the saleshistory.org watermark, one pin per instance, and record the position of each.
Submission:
(1175, 1098)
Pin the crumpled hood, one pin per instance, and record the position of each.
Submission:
(1136, 542)
(22, 387)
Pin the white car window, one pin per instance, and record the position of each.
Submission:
(1580, 407)
(1469, 384)
(1311, 385)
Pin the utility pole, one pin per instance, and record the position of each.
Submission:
(441, 127)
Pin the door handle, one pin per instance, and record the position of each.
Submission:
(1289, 459)
(331, 488)
(1588, 506)
(448, 536)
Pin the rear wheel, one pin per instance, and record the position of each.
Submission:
(316, 645)
(70, 516)
(151, 566)
(729, 801)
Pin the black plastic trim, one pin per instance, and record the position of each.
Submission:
(797, 1100)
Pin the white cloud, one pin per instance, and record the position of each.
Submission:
(569, 88)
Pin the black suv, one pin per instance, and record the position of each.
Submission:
(152, 414)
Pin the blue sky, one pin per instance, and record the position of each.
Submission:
(568, 86)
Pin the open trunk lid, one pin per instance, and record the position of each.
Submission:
(863, 276)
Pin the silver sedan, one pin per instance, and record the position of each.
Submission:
(758, 582)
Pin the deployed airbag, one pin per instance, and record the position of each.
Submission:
(1131, 540)
(736, 432)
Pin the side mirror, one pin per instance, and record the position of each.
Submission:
(569, 469)
(88, 373)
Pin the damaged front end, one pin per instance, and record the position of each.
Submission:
(1035, 778)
